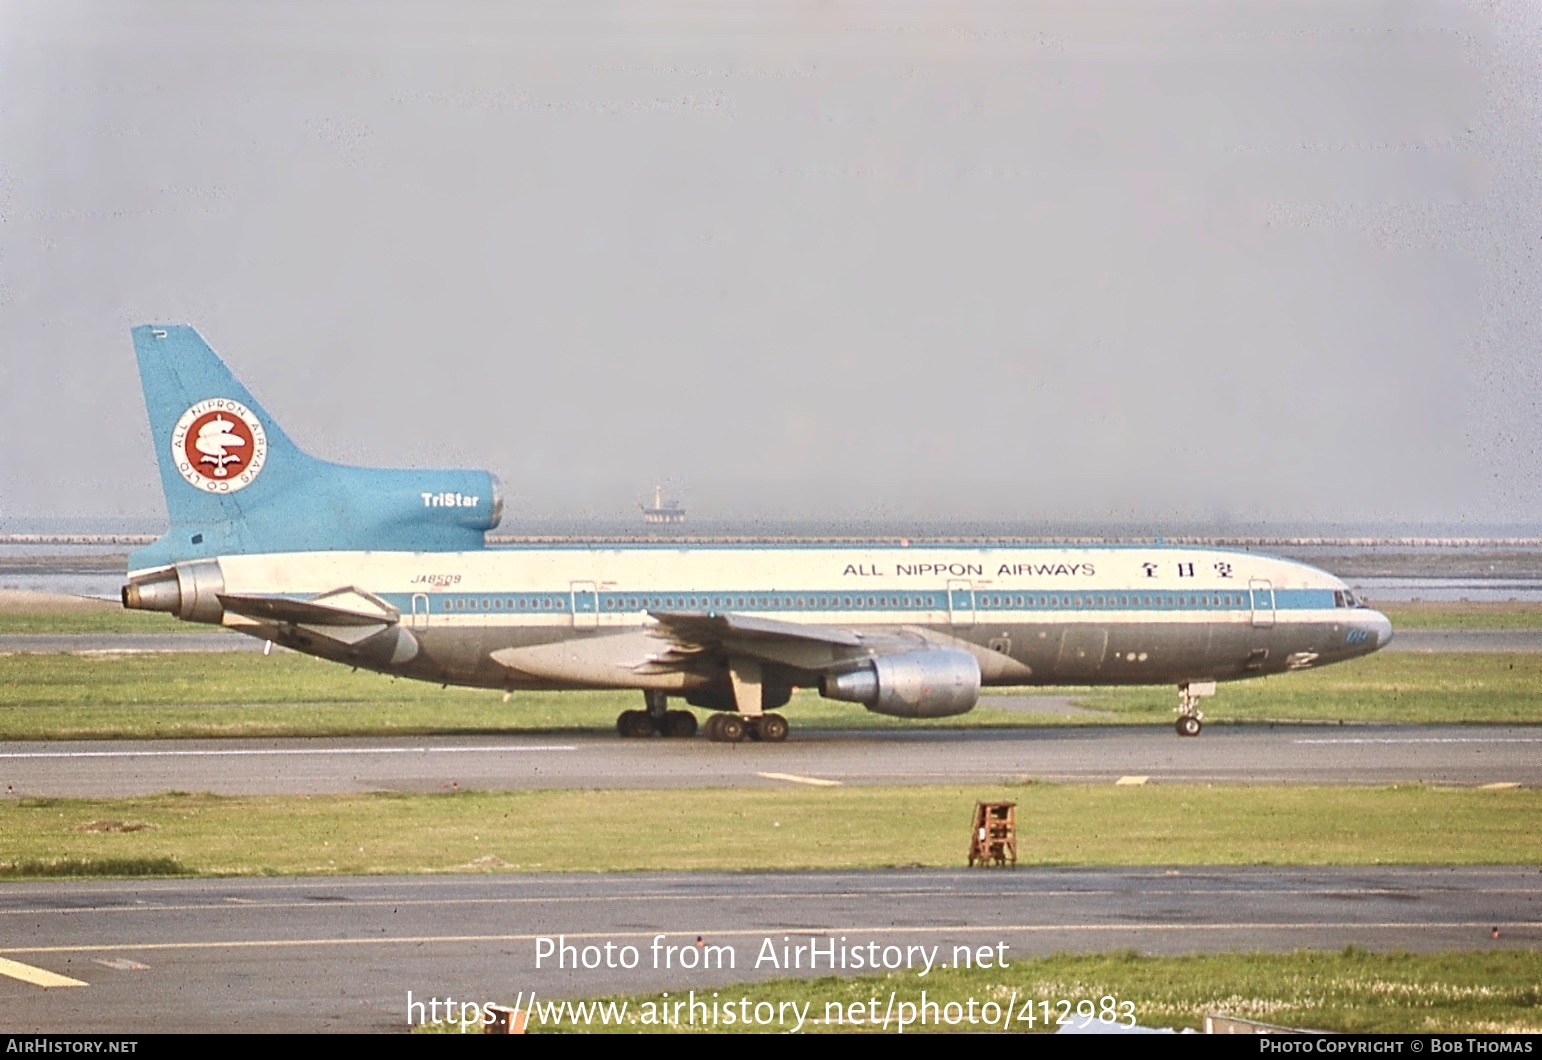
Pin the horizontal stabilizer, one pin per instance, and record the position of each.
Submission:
(340, 607)
(349, 635)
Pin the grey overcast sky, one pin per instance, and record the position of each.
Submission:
(1157, 261)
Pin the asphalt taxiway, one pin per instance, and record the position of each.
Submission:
(342, 954)
(1255, 754)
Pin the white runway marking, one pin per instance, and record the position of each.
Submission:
(121, 964)
(793, 778)
(1428, 739)
(288, 751)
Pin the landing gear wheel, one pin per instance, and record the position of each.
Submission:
(725, 728)
(772, 728)
(1187, 725)
(634, 724)
(678, 724)
(731, 728)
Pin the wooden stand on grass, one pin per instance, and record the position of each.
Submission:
(994, 839)
(506, 1020)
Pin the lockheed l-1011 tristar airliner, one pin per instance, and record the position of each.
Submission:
(390, 570)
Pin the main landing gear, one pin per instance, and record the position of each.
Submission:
(1189, 714)
(748, 719)
(731, 728)
(658, 718)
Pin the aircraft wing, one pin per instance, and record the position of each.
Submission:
(661, 655)
(680, 644)
(716, 628)
(809, 647)
(637, 658)
(815, 648)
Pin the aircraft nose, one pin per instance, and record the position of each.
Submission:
(1381, 629)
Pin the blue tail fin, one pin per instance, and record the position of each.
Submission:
(235, 483)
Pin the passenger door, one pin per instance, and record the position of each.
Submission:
(1262, 592)
(961, 603)
(586, 606)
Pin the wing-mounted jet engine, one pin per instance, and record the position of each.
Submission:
(937, 683)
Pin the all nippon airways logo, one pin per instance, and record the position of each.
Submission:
(219, 446)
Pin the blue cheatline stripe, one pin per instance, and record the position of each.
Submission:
(890, 601)
(889, 547)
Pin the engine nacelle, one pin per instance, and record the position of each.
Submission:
(189, 590)
(937, 683)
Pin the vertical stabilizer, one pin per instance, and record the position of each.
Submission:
(219, 451)
(235, 483)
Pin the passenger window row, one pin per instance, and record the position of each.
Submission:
(864, 602)
(539, 602)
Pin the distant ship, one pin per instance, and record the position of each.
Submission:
(662, 512)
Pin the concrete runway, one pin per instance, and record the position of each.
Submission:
(342, 954)
(1253, 754)
(1420, 640)
(82, 643)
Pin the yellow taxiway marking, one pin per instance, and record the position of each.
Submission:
(1130, 782)
(36, 976)
(795, 779)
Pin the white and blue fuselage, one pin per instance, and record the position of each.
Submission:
(393, 576)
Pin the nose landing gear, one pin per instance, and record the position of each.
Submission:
(1189, 714)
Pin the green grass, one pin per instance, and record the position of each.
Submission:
(64, 614)
(1496, 992)
(53, 868)
(1449, 687)
(1441, 615)
(195, 694)
(802, 828)
(189, 694)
